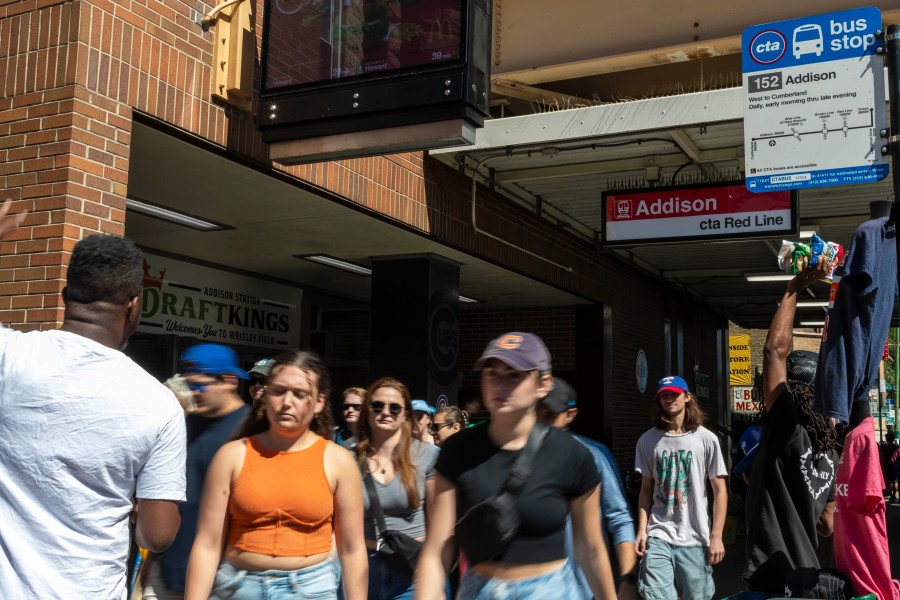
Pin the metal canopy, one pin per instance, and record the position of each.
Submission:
(559, 163)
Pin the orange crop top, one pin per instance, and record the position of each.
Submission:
(281, 502)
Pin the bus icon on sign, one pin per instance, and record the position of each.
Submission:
(807, 40)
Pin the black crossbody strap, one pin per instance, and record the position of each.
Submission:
(521, 469)
(374, 502)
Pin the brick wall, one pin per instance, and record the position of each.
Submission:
(479, 325)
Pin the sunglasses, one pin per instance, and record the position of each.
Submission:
(348, 406)
(435, 427)
(377, 407)
(198, 386)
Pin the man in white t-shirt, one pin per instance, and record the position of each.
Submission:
(84, 434)
(674, 538)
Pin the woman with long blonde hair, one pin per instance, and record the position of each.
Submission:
(402, 469)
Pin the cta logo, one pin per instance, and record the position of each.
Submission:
(768, 47)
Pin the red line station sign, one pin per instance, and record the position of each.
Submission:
(696, 213)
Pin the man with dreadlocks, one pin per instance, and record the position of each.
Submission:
(790, 497)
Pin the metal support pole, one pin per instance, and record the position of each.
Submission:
(892, 51)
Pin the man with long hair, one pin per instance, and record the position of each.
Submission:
(675, 459)
(790, 497)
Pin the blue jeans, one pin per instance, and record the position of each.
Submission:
(311, 583)
(669, 572)
(555, 584)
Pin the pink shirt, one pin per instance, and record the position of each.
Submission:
(860, 531)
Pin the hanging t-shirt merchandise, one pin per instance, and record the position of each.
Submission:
(790, 485)
(858, 320)
(860, 529)
(852, 345)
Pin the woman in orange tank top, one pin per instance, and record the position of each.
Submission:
(273, 498)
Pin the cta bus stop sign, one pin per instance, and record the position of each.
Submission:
(814, 101)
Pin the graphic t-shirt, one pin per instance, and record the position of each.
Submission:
(205, 437)
(83, 431)
(860, 529)
(789, 487)
(857, 323)
(563, 470)
(679, 464)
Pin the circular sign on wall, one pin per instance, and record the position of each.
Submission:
(640, 371)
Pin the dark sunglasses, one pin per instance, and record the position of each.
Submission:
(348, 406)
(198, 386)
(435, 427)
(378, 407)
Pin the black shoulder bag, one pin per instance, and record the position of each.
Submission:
(397, 549)
(487, 528)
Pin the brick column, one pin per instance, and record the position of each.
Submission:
(63, 155)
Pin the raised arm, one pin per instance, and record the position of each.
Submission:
(348, 522)
(781, 331)
(213, 521)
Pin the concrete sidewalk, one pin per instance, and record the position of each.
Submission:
(727, 574)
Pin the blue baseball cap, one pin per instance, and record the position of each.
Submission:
(211, 359)
(749, 442)
(672, 383)
(521, 351)
(422, 406)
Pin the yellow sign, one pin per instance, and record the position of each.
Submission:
(739, 360)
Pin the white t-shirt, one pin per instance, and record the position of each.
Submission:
(83, 430)
(679, 465)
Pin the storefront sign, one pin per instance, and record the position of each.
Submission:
(719, 212)
(745, 399)
(217, 306)
(739, 359)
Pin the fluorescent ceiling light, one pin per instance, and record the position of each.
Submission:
(467, 300)
(768, 276)
(813, 304)
(173, 216)
(330, 261)
(812, 323)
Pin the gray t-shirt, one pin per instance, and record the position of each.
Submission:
(398, 516)
(679, 465)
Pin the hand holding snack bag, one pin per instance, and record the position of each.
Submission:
(791, 255)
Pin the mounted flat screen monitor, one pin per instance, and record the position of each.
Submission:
(414, 74)
(311, 42)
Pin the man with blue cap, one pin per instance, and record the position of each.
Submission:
(423, 413)
(212, 372)
(677, 543)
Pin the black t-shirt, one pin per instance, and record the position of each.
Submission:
(789, 487)
(563, 470)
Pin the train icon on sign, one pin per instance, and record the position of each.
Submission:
(807, 39)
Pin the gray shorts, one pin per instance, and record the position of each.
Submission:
(670, 572)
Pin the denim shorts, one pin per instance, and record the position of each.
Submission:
(316, 582)
(669, 572)
(560, 583)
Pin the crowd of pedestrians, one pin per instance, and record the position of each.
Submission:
(268, 499)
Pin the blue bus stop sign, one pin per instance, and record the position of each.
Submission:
(813, 101)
